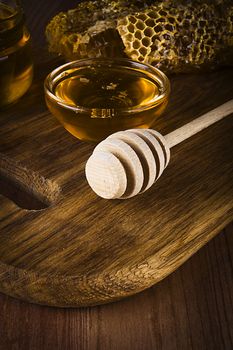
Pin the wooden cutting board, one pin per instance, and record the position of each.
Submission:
(84, 250)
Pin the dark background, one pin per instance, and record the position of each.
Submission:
(38, 13)
(190, 309)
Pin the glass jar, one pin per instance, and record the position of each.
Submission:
(16, 67)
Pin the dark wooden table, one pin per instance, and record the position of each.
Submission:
(190, 309)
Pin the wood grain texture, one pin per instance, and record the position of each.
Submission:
(110, 249)
(27, 189)
(191, 309)
(86, 250)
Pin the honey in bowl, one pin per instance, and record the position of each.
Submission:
(97, 97)
(16, 68)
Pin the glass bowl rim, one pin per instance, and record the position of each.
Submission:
(119, 61)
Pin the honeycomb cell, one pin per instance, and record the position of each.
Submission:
(143, 51)
(141, 58)
(131, 28)
(149, 32)
(138, 35)
(132, 19)
(169, 27)
(158, 29)
(129, 37)
(142, 16)
(161, 20)
(140, 25)
(162, 13)
(171, 20)
(152, 14)
(150, 22)
(146, 42)
(134, 54)
(136, 44)
(154, 47)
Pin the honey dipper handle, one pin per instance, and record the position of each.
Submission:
(179, 135)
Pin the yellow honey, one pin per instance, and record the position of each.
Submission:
(95, 100)
(16, 69)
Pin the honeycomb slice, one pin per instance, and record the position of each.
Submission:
(174, 35)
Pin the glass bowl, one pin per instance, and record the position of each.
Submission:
(93, 98)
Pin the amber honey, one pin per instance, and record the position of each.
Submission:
(94, 100)
(16, 67)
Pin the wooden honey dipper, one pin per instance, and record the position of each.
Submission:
(128, 162)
